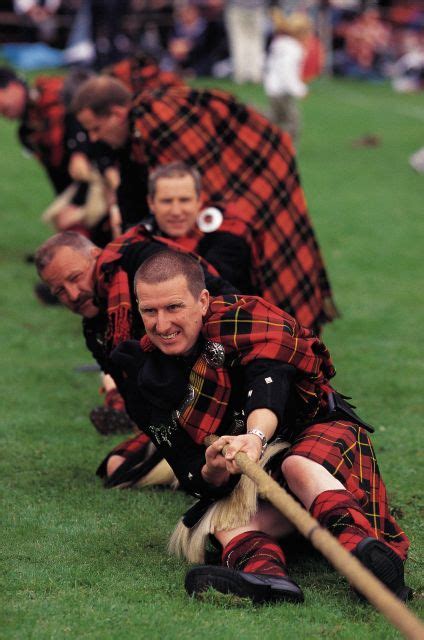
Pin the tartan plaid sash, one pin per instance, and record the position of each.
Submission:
(245, 160)
(240, 330)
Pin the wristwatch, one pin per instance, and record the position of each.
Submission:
(261, 436)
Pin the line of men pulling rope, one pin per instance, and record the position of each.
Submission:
(203, 299)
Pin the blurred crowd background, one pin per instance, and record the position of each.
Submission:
(222, 38)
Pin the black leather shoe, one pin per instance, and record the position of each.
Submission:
(258, 587)
(385, 564)
(109, 421)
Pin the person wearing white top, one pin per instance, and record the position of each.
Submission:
(283, 82)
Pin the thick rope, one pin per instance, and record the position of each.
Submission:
(359, 577)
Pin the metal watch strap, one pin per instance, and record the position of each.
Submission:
(262, 436)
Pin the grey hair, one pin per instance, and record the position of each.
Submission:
(47, 251)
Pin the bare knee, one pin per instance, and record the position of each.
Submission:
(113, 464)
(294, 468)
(307, 478)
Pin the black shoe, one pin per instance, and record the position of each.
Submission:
(109, 421)
(258, 587)
(385, 564)
(44, 295)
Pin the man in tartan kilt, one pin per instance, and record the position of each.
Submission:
(53, 135)
(97, 284)
(242, 157)
(241, 368)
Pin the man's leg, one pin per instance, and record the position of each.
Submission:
(253, 563)
(333, 471)
(112, 416)
(135, 463)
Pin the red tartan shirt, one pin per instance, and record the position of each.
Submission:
(42, 129)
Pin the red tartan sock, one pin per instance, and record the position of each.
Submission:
(339, 512)
(114, 400)
(254, 552)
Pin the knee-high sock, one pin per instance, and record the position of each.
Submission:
(339, 512)
(255, 552)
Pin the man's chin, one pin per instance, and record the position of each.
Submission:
(87, 310)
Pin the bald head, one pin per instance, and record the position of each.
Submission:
(100, 94)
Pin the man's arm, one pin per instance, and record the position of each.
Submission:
(268, 386)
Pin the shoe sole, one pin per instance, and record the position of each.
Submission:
(385, 564)
(109, 421)
(246, 585)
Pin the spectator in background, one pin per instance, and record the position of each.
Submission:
(407, 72)
(196, 44)
(367, 41)
(245, 23)
(284, 66)
(39, 14)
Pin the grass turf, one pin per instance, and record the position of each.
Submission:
(82, 562)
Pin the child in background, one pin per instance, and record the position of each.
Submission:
(283, 82)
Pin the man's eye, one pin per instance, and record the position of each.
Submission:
(174, 307)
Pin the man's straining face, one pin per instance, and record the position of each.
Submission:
(175, 205)
(13, 99)
(113, 128)
(171, 314)
(70, 276)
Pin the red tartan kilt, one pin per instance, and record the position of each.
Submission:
(345, 450)
(125, 449)
(133, 445)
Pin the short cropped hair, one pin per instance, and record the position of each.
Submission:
(100, 94)
(7, 76)
(173, 170)
(167, 264)
(47, 251)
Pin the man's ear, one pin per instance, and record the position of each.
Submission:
(95, 252)
(204, 301)
(120, 111)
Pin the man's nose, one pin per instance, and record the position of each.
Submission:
(72, 292)
(162, 322)
(176, 208)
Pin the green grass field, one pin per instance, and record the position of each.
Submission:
(82, 562)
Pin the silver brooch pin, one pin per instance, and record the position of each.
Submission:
(214, 354)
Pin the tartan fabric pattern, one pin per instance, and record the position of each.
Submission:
(345, 450)
(255, 552)
(131, 446)
(339, 512)
(250, 328)
(249, 161)
(141, 72)
(114, 400)
(42, 129)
